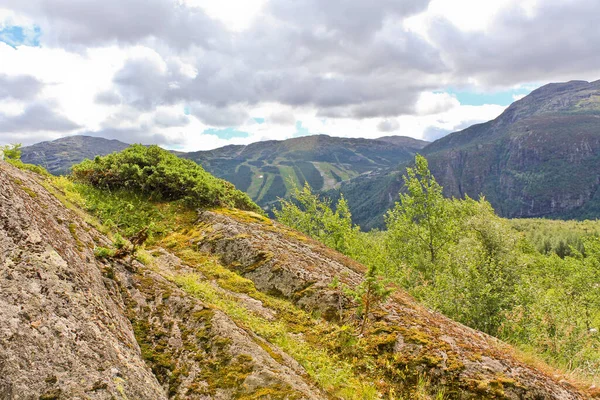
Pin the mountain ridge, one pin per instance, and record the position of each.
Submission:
(539, 158)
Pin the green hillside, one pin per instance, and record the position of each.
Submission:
(268, 170)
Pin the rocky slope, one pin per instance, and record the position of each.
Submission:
(232, 305)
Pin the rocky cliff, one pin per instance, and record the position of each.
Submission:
(230, 305)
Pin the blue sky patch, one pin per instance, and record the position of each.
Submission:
(227, 133)
(187, 110)
(259, 120)
(19, 36)
(300, 130)
(503, 98)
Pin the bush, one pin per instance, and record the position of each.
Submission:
(162, 176)
(11, 151)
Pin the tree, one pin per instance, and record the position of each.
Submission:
(307, 213)
(422, 222)
(371, 292)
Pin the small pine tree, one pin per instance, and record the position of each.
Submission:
(373, 291)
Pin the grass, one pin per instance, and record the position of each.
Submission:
(325, 369)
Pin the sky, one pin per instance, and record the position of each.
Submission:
(200, 74)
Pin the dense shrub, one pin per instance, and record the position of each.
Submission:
(163, 176)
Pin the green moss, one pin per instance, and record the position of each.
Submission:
(144, 257)
(30, 192)
(73, 230)
(245, 216)
(28, 167)
(103, 252)
(51, 394)
(279, 391)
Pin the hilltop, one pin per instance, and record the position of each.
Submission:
(59, 155)
(215, 302)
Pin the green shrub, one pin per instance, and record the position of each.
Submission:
(11, 151)
(162, 176)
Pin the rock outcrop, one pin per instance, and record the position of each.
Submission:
(74, 326)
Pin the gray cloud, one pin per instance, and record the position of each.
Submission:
(90, 22)
(109, 98)
(20, 87)
(388, 125)
(558, 41)
(36, 117)
(282, 118)
(346, 58)
(142, 135)
(167, 120)
(219, 116)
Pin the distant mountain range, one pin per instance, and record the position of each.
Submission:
(540, 158)
(59, 155)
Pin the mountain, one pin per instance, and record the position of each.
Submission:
(539, 158)
(59, 155)
(266, 170)
(227, 304)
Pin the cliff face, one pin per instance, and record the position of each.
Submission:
(539, 158)
(233, 305)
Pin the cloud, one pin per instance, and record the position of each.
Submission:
(358, 62)
(388, 125)
(342, 67)
(133, 135)
(220, 116)
(282, 117)
(36, 117)
(553, 40)
(19, 87)
(70, 24)
(108, 97)
(165, 119)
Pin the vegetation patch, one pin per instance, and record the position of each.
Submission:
(157, 173)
